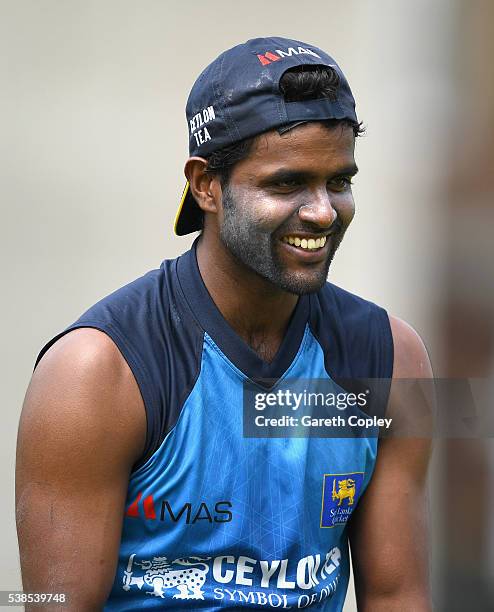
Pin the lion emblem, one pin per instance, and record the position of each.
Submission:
(186, 575)
(346, 490)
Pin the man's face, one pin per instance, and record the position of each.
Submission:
(291, 193)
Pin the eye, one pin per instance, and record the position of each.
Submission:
(287, 184)
(340, 183)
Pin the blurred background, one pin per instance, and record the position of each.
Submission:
(92, 146)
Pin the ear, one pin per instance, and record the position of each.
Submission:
(205, 187)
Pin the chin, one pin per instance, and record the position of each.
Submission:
(302, 284)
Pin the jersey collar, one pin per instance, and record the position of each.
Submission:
(225, 337)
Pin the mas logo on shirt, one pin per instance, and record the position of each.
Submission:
(340, 493)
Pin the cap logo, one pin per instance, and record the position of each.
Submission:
(273, 56)
(198, 122)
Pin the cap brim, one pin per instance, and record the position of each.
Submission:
(189, 216)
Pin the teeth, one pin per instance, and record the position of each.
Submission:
(309, 244)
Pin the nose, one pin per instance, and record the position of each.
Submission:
(319, 210)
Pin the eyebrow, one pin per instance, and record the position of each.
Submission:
(303, 175)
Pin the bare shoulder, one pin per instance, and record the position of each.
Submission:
(81, 353)
(84, 389)
(409, 409)
(411, 359)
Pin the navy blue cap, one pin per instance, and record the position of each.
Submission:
(238, 96)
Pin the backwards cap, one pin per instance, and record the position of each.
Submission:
(238, 96)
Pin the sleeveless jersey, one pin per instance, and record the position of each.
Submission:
(215, 520)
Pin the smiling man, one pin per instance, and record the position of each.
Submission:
(137, 486)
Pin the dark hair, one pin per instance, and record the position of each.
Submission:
(299, 83)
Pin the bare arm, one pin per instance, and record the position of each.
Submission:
(389, 532)
(82, 427)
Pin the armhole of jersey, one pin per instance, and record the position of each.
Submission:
(387, 344)
(387, 357)
(151, 405)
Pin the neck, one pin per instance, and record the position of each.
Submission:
(256, 309)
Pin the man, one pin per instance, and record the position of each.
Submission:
(136, 486)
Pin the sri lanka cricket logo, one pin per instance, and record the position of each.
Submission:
(346, 489)
(340, 493)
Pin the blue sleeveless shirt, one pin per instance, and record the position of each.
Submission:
(215, 520)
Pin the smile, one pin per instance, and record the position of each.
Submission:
(308, 244)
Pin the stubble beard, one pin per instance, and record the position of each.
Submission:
(255, 249)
